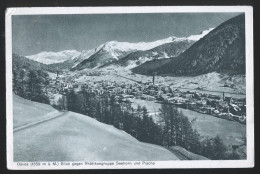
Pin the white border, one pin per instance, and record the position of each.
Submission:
(248, 10)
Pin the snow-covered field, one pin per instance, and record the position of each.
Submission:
(26, 111)
(207, 125)
(75, 137)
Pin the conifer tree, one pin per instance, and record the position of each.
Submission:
(72, 101)
(219, 148)
(35, 86)
(207, 148)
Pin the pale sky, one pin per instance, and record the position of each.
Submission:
(36, 33)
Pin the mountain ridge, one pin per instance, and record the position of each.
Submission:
(164, 51)
(106, 53)
(120, 51)
(221, 50)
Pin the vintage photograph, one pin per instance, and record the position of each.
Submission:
(154, 86)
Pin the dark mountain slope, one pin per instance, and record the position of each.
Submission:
(222, 50)
(148, 67)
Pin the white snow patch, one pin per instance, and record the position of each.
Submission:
(126, 46)
(135, 63)
(194, 37)
(201, 35)
(53, 57)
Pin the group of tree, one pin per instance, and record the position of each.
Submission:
(31, 84)
(174, 130)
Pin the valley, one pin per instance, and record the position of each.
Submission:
(178, 91)
(113, 82)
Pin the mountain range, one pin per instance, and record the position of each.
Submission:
(102, 54)
(134, 54)
(221, 49)
(111, 53)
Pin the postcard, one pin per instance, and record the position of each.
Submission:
(129, 87)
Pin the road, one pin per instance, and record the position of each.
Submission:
(128, 78)
(180, 155)
(45, 118)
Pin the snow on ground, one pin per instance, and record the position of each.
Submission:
(52, 75)
(76, 137)
(207, 125)
(151, 106)
(26, 111)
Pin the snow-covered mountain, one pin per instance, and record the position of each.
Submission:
(166, 50)
(126, 46)
(222, 50)
(102, 54)
(73, 61)
(54, 57)
(111, 52)
(114, 50)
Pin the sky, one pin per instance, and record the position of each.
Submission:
(32, 34)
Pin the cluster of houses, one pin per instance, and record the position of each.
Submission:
(223, 107)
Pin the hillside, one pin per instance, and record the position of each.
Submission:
(26, 111)
(221, 50)
(23, 62)
(74, 137)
